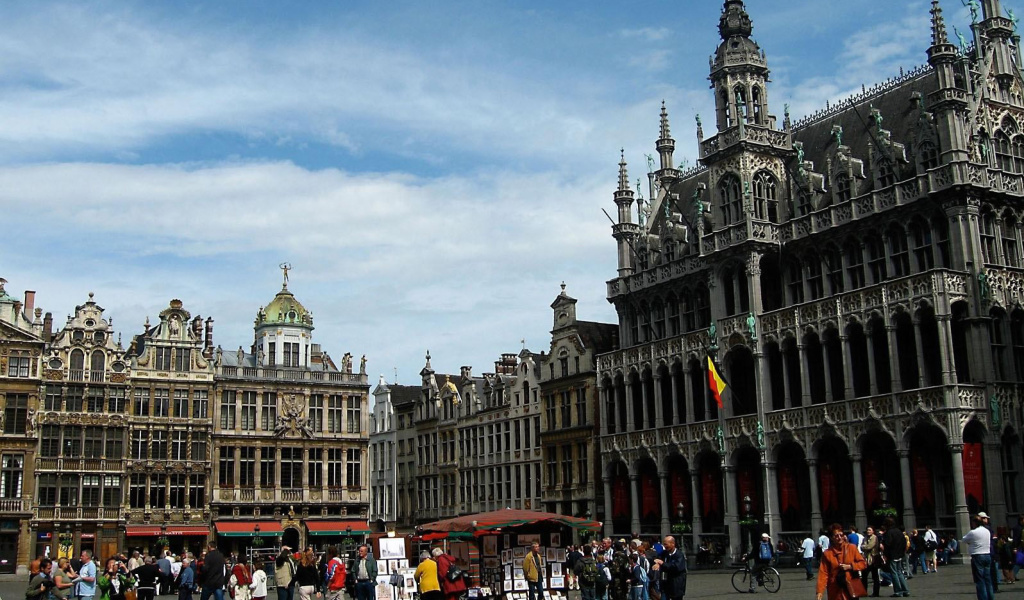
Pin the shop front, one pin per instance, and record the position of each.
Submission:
(153, 540)
(241, 537)
(345, 535)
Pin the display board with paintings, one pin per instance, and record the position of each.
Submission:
(507, 580)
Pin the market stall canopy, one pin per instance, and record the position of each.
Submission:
(500, 519)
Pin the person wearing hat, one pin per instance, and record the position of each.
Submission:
(762, 554)
(993, 550)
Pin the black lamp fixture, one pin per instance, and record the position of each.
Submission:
(681, 511)
(747, 506)
(257, 540)
(883, 493)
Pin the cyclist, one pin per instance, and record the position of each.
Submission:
(762, 555)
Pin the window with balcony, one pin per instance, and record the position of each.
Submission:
(197, 491)
(315, 472)
(227, 409)
(112, 492)
(268, 468)
(248, 411)
(291, 468)
(91, 491)
(335, 467)
(247, 466)
(12, 472)
(353, 470)
(93, 447)
(114, 442)
(730, 199)
(97, 366)
(69, 488)
(76, 368)
(16, 413)
(766, 199)
(47, 489)
(226, 467)
(71, 441)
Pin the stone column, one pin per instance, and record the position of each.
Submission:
(772, 513)
(634, 484)
(869, 337)
(665, 524)
(907, 476)
(919, 346)
(995, 497)
(630, 390)
(805, 379)
(698, 520)
(894, 359)
(827, 367)
(850, 390)
(788, 398)
(645, 418)
(861, 515)
(963, 521)
(678, 409)
(659, 408)
(731, 509)
(812, 468)
(946, 348)
(602, 407)
(607, 506)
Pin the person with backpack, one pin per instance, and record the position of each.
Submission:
(587, 575)
(762, 554)
(451, 577)
(335, 575)
(637, 578)
(240, 579)
(894, 549)
(604, 578)
(572, 561)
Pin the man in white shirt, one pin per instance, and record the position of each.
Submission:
(931, 543)
(808, 558)
(822, 542)
(977, 542)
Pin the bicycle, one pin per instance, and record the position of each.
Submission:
(769, 579)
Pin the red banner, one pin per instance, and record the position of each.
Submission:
(620, 497)
(650, 497)
(680, 481)
(870, 469)
(711, 492)
(974, 479)
(789, 497)
(924, 490)
(829, 493)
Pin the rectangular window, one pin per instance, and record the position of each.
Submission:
(115, 400)
(93, 447)
(567, 465)
(197, 490)
(316, 473)
(354, 416)
(179, 445)
(316, 412)
(137, 491)
(335, 467)
(47, 489)
(815, 282)
(163, 359)
(518, 434)
(855, 266)
(226, 467)
(114, 443)
(876, 260)
(141, 406)
(271, 354)
(158, 447)
(182, 359)
(157, 490)
(18, 366)
(581, 406)
(111, 491)
(16, 413)
(550, 410)
(200, 404)
(566, 406)
(268, 414)
(353, 472)
(335, 412)
(162, 403)
(291, 354)
(526, 433)
(71, 441)
(268, 467)
(291, 467)
(581, 464)
(198, 445)
(248, 411)
(90, 490)
(552, 464)
(49, 441)
(12, 469)
(95, 401)
(75, 399)
(247, 466)
(177, 495)
(227, 410)
(536, 429)
(68, 493)
(54, 398)
(139, 444)
(181, 404)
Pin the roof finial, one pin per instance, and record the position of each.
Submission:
(734, 20)
(623, 175)
(563, 288)
(939, 35)
(285, 267)
(665, 134)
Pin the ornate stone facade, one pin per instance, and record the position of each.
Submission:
(857, 276)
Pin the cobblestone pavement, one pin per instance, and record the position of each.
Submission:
(953, 582)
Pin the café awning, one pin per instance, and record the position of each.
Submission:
(501, 519)
(338, 527)
(247, 528)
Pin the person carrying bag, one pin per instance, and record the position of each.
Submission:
(840, 568)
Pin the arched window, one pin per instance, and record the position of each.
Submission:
(940, 228)
(766, 202)
(1017, 146)
(725, 109)
(741, 103)
(833, 258)
(672, 313)
(876, 260)
(886, 174)
(921, 232)
(842, 189)
(795, 281)
(1008, 229)
(658, 320)
(854, 264)
(730, 199)
(755, 95)
(815, 285)
(897, 239)
(97, 364)
(988, 236)
(929, 156)
(77, 365)
(1004, 154)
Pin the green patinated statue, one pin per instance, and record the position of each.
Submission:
(720, 437)
(993, 404)
(984, 289)
(752, 326)
(760, 435)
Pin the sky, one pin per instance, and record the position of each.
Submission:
(431, 171)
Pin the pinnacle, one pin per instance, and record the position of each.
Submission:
(939, 35)
(623, 175)
(665, 133)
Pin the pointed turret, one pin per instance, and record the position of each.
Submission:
(666, 145)
(948, 102)
(998, 30)
(739, 71)
(941, 50)
(735, 20)
(624, 230)
(623, 173)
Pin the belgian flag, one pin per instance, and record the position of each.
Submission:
(715, 381)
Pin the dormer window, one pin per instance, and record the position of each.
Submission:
(78, 336)
(99, 337)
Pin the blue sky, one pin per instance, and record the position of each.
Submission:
(432, 171)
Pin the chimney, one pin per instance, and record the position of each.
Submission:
(209, 337)
(30, 303)
(48, 327)
(17, 312)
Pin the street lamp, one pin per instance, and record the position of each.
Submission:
(681, 511)
(883, 493)
(747, 507)
(257, 541)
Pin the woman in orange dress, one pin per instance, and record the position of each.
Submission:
(837, 565)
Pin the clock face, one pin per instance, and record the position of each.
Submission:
(563, 317)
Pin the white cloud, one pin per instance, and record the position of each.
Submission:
(649, 34)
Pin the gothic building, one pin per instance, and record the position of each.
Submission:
(857, 274)
(571, 479)
(23, 335)
(290, 435)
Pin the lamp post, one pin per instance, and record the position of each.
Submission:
(747, 507)
(883, 493)
(348, 538)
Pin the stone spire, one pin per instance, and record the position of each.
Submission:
(623, 175)
(665, 145)
(735, 20)
(939, 36)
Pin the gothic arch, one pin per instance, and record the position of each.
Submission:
(730, 198)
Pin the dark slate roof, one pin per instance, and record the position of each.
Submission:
(404, 395)
(598, 337)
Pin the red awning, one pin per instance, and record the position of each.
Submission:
(190, 530)
(247, 528)
(338, 527)
(141, 531)
(506, 518)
